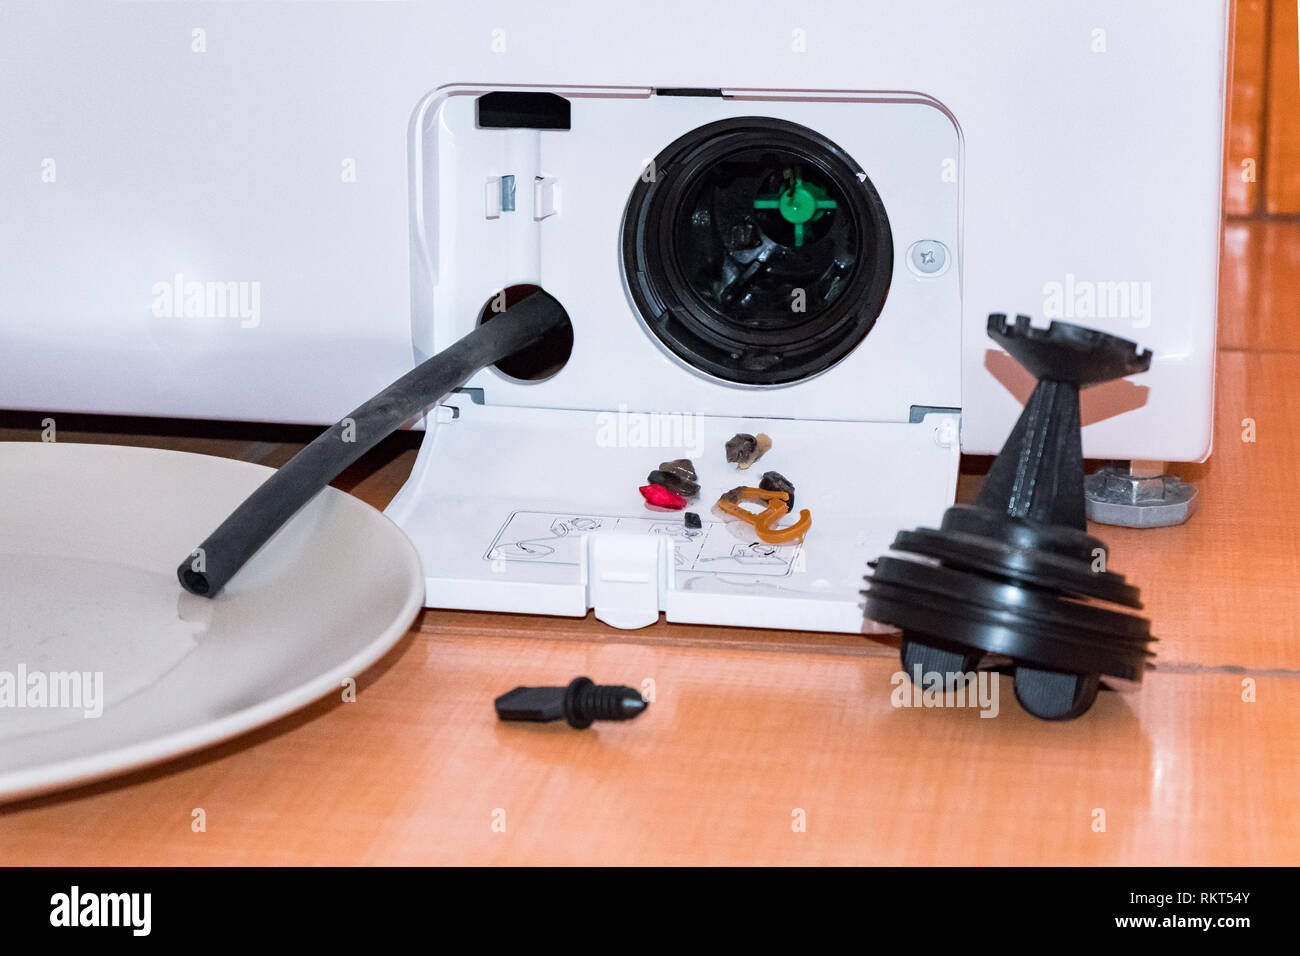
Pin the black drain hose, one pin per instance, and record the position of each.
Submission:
(207, 569)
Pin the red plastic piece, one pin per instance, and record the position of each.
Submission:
(662, 497)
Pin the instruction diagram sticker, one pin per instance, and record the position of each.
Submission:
(536, 537)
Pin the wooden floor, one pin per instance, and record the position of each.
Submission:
(753, 733)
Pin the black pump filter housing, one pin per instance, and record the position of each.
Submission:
(757, 250)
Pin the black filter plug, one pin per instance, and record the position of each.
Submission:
(1017, 574)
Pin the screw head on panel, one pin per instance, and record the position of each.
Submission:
(928, 257)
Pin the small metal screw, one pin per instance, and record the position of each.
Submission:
(581, 703)
(928, 257)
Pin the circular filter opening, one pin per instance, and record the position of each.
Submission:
(538, 361)
(757, 251)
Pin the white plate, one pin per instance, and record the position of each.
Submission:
(90, 536)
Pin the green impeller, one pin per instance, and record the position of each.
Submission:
(798, 203)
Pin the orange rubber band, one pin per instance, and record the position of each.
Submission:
(772, 535)
(764, 520)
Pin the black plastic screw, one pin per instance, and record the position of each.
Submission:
(581, 703)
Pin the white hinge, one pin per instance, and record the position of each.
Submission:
(626, 577)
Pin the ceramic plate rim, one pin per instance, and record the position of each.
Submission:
(66, 774)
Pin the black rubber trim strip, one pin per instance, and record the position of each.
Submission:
(277, 499)
(687, 91)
